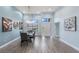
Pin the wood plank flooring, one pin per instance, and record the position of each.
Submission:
(39, 45)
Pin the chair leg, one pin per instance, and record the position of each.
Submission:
(30, 39)
(27, 42)
(21, 43)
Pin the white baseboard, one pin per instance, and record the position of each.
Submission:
(9, 42)
(77, 49)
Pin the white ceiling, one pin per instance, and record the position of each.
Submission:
(36, 9)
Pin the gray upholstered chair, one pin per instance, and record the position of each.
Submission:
(24, 37)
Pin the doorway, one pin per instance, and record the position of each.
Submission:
(57, 29)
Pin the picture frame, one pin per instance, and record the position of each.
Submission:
(70, 24)
(15, 24)
(6, 24)
(20, 25)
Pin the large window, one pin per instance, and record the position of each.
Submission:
(46, 20)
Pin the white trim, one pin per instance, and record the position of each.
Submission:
(9, 42)
(77, 49)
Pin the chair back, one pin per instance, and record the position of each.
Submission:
(23, 36)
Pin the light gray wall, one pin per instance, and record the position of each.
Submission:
(13, 14)
(68, 36)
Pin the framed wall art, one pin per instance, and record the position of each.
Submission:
(15, 24)
(20, 25)
(70, 24)
(6, 24)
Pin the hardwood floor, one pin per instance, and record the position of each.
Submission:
(39, 45)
